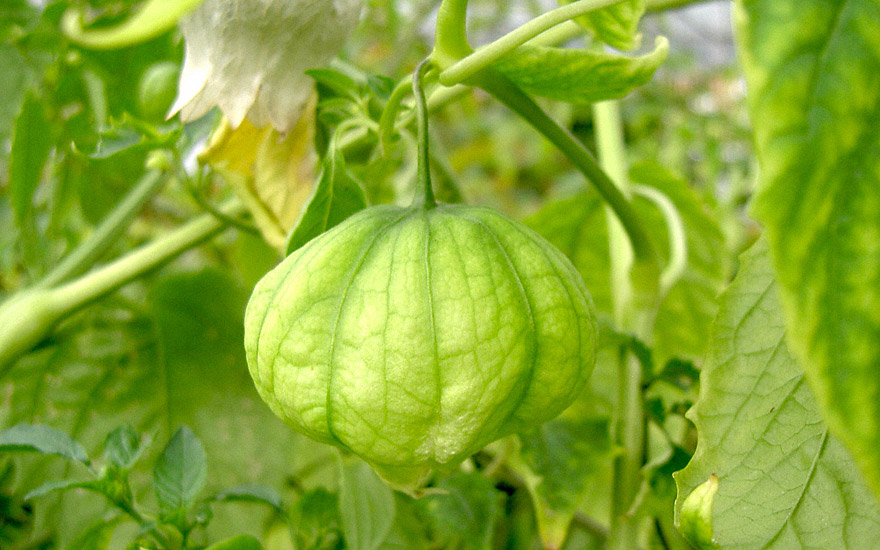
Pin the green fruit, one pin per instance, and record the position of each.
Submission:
(413, 337)
(157, 90)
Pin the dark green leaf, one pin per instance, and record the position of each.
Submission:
(43, 439)
(252, 493)
(123, 446)
(31, 145)
(181, 470)
(337, 196)
(468, 510)
(580, 76)
(366, 507)
(615, 25)
(339, 83)
(315, 520)
(811, 68)
(784, 481)
(559, 462)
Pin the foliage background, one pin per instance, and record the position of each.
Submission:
(166, 350)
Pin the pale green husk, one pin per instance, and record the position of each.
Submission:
(415, 337)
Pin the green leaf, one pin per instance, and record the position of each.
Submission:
(615, 25)
(468, 509)
(783, 480)
(123, 447)
(152, 19)
(337, 196)
(811, 69)
(252, 493)
(43, 439)
(580, 75)
(241, 542)
(63, 485)
(578, 227)
(559, 462)
(315, 520)
(366, 506)
(339, 83)
(31, 145)
(96, 536)
(181, 470)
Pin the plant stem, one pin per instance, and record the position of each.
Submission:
(98, 283)
(424, 158)
(612, 156)
(663, 5)
(487, 55)
(110, 228)
(451, 43)
(524, 106)
(29, 317)
(629, 423)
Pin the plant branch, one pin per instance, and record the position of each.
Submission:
(524, 106)
(664, 5)
(486, 56)
(110, 277)
(84, 255)
(29, 317)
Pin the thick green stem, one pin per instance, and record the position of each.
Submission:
(90, 250)
(663, 5)
(29, 317)
(524, 106)
(451, 43)
(424, 159)
(629, 425)
(487, 55)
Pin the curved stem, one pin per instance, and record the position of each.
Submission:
(678, 251)
(389, 114)
(451, 43)
(424, 163)
(110, 228)
(523, 105)
(487, 55)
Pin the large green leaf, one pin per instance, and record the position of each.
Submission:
(577, 226)
(812, 70)
(783, 480)
(580, 75)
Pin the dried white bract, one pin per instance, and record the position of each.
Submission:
(248, 56)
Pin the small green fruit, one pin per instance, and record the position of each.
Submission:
(157, 90)
(413, 337)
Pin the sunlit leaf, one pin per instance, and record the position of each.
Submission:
(784, 482)
(580, 75)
